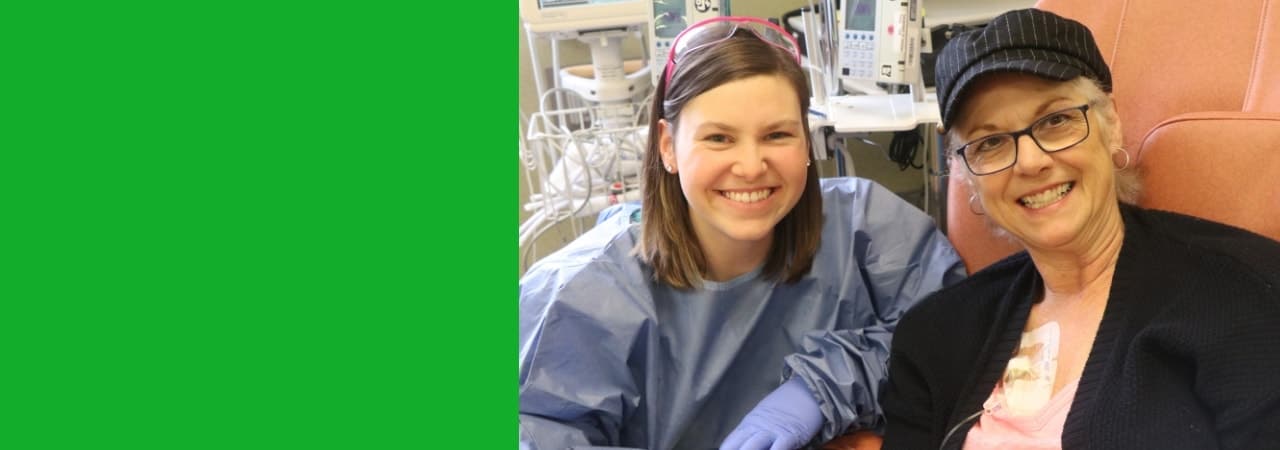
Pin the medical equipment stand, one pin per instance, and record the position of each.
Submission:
(834, 116)
(583, 147)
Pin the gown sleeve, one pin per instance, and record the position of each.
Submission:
(900, 257)
(580, 324)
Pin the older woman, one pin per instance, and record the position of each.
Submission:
(1118, 327)
(753, 305)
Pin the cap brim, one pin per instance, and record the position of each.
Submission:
(1047, 69)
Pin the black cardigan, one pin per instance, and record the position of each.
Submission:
(1187, 354)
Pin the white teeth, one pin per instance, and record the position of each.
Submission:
(1037, 201)
(747, 197)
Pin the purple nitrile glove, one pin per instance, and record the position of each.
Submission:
(785, 420)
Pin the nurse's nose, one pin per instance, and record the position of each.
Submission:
(750, 162)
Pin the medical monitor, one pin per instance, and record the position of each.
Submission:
(860, 15)
(668, 18)
(879, 40)
(543, 16)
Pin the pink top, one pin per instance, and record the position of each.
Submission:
(998, 429)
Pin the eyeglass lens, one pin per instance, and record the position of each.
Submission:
(1054, 132)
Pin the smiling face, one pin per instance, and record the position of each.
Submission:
(1060, 200)
(741, 154)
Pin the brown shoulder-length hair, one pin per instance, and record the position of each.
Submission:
(668, 242)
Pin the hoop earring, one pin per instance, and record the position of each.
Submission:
(973, 210)
(1126, 158)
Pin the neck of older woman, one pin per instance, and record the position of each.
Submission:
(729, 260)
(1077, 287)
(1083, 268)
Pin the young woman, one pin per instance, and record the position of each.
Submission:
(745, 276)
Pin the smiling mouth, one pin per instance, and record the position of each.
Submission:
(1047, 197)
(748, 196)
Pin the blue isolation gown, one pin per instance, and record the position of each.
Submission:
(611, 358)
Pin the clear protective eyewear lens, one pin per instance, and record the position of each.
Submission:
(717, 29)
(714, 31)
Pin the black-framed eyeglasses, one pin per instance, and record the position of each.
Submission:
(1056, 131)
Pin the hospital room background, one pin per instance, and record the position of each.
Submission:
(895, 159)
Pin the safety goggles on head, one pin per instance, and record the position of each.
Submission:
(709, 32)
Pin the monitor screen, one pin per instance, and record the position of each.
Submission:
(555, 3)
(542, 16)
(860, 15)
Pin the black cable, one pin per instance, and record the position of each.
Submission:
(903, 148)
(957, 428)
(905, 144)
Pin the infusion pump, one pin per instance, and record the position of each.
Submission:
(879, 40)
(669, 18)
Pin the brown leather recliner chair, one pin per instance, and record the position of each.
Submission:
(1197, 87)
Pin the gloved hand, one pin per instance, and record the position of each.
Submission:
(786, 419)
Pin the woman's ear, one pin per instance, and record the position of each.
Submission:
(1115, 132)
(666, 146)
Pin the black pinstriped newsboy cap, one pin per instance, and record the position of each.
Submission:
(1025, 40)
